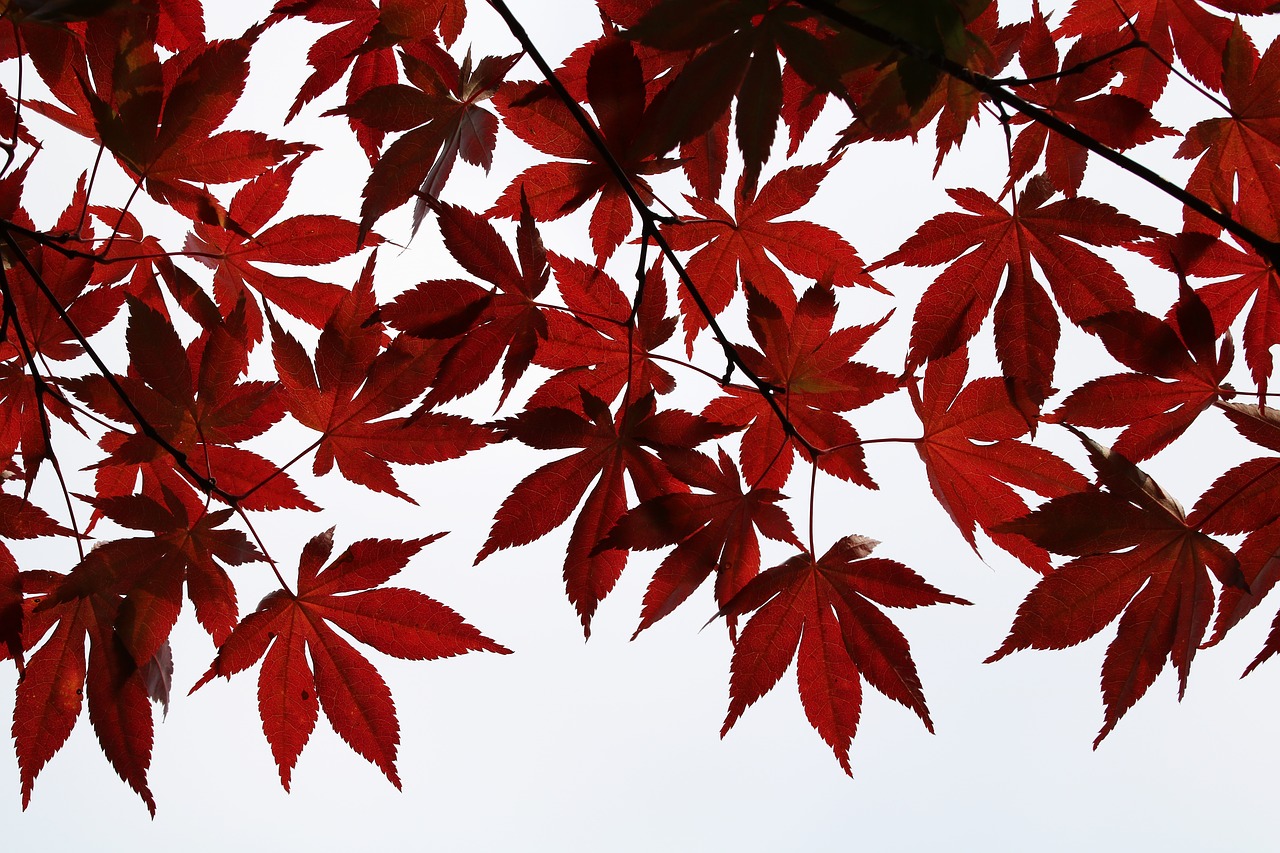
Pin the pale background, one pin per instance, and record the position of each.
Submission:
(613, 745)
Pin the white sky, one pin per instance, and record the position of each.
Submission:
(613, 745)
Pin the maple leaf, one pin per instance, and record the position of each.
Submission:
(70, 280)
(484, 324)
(731, 51)
(146, 573)
(616, 94)
(192, 399)
(59, 678)
(827, 609)
(61, 54)
(24, 405)
(1137, 556)
(610, 450)
(883, 111)
(990, 245)
(1243, 500)
(974, 460)
(180, 23)
(19, 519)
(346, 594)
(1186, 26)
(366, 43)
(304, 240)
(140, 261)
(123, 597)
(1178, 375)
(1246, 277)
(593, 347)
(161, 120)
(1076, 98)
(442, 118)
(352, 388)
(1237, 169)
(742, 246)
(713, 533)
(812, 376)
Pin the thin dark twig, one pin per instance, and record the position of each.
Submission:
(1128, 20)
(813, 499)
(56, 243)
(719, 380)
(1078, 68)
(266, 555)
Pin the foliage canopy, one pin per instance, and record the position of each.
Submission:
(733, 290)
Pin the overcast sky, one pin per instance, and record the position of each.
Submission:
(613, 744)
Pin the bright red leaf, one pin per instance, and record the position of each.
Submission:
(1137, 557)
(713, 533)
(827, 609)
(990, 252)
(610, 450)
(354, 386)
(616, 94)
(975, 461)
(1177, 376)
(814, 377)
(346, 594)
(749, 246)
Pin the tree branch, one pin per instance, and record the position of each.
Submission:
(1268, 249)
(649, 220)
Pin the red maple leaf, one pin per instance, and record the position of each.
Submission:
(69, 280)
(1186, 26)
(62, 49)
(883, 112)
(827, 609)
(441, 115)
(713, 533)
(593, 345)
(19, 519)
(1138, 557)
(812, 376)
(610, 450)
(182, 544)
(138, 259)
(616, 94)
(988, 246)
(304, 240)
(1177, 376)
(481, 324)
(24, 404)
(974, 459)
(59, 678)
(161, 120)
(726, 51)
(1243, 500)
(743, 246)
(288, 628)
(354, 386)
(123, 597)
(1245, 278)
(193, 400)
(1237, 170)
(366, 42)
(1076, 98)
